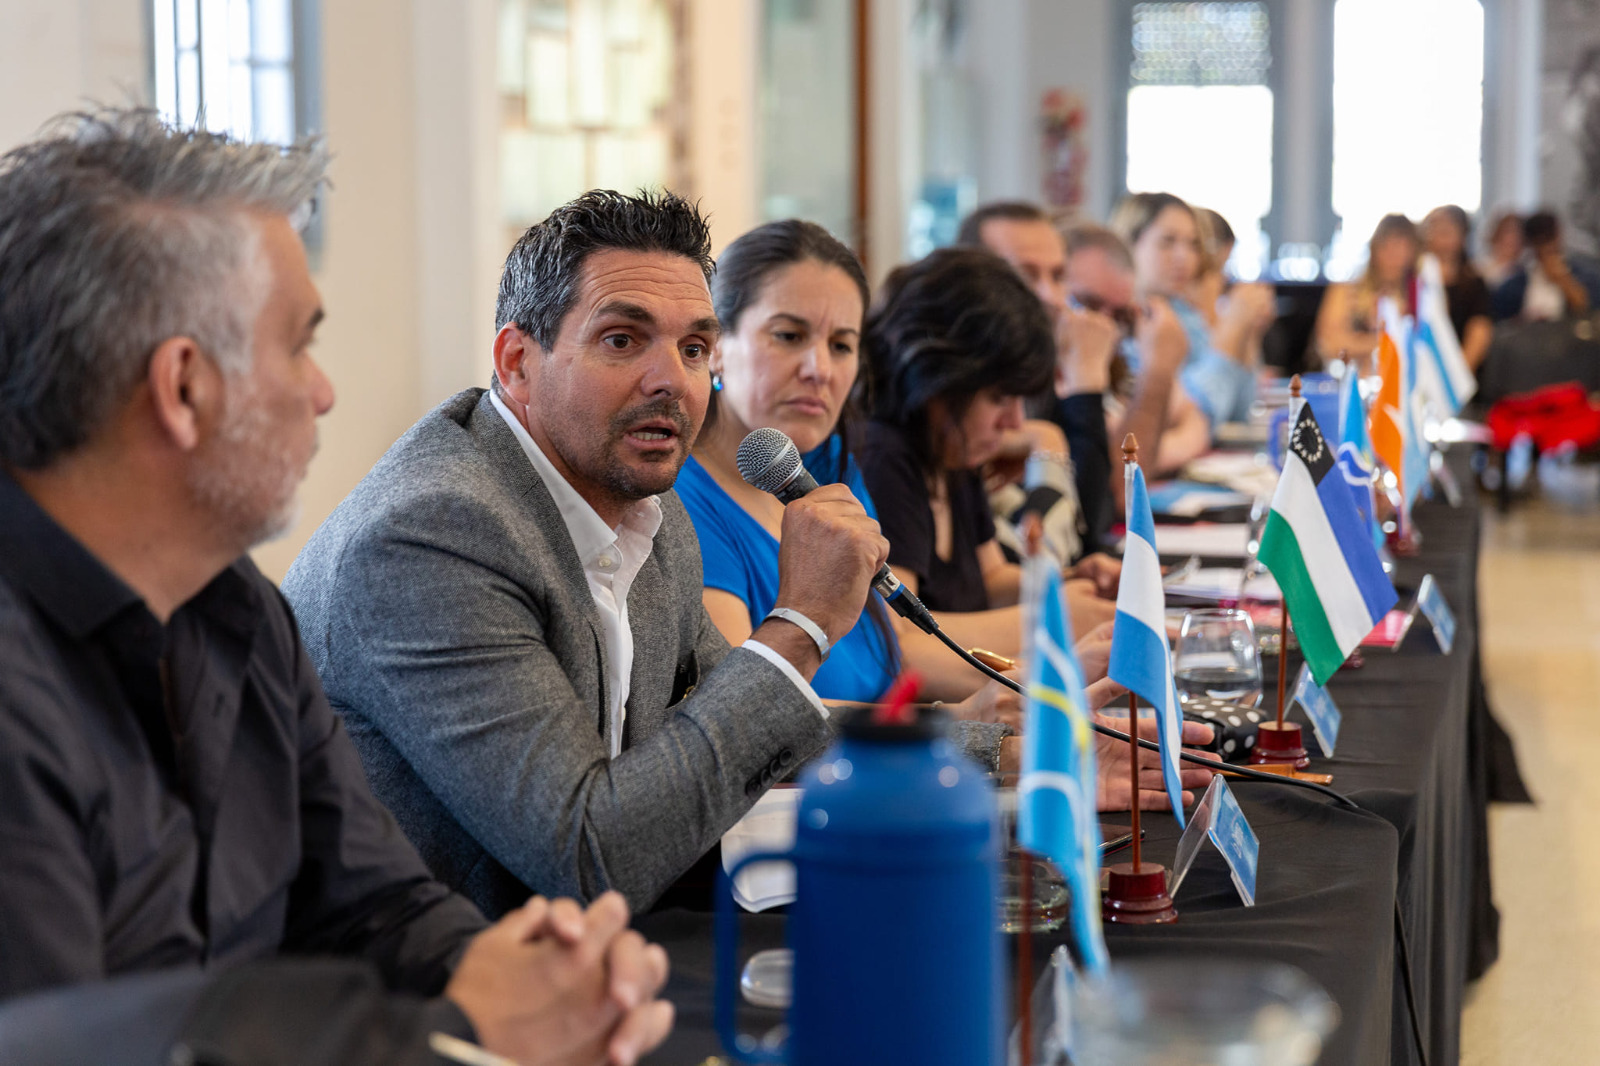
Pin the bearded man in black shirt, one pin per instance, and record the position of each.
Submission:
(178, 804)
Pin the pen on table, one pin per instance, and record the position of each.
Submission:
(468, 1054)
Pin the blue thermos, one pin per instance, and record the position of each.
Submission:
(894, 928)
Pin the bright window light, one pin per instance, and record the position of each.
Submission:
(1211, 145)
(1407, 115)
(1200, 114)
(227, 65)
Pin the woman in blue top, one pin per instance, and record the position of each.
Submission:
(791, 299)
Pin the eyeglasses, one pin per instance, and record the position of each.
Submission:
(1126, 316)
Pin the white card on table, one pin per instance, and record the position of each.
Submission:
(1320, 708)
(1230, 831)
(1217, 817)
(1438, 612)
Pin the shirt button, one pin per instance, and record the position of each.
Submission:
(606, 562)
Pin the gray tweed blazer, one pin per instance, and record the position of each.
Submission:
(448, 615)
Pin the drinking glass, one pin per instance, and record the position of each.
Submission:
(1046, 910)
(1217, 658)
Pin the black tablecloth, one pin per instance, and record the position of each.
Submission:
(1411, 751)
(1404, 753)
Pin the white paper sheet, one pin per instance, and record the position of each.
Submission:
(1215, 540)
(768, 826)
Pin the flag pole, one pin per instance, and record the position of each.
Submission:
(1275, 741)
(1283, 604)
(1130, 460)
(1136, 893)
(1032, 536)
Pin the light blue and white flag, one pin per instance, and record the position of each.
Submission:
(1355, 456)
(1443, 377)
(1141, 659)
(1056, 810)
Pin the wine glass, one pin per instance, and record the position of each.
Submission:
(1217, 658)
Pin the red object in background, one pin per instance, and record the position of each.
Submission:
(1551, 416)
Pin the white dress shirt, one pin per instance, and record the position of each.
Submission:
(611, 559)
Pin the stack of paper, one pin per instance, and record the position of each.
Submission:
(1222, 583)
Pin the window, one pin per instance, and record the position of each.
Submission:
(587, 101)
(807, 113)
(1199, 113)
(1407, 116)
(233, 66)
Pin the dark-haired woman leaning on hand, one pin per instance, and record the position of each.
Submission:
(952, 346)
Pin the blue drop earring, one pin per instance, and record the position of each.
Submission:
(716, 381)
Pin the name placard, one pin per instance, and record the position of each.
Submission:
(1320, 708)
(1437, 612)
(1218, 818)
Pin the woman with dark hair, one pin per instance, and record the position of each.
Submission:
(790, 298)
(954, 344)
(1347, 321)
(1503, 248)
(1447, 234)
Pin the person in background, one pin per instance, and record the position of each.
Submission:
(1547, 285)
(954, 344)
(1146, 397)
(1446, 233)
(1503, 250)
(1216, 242)
(1163, 234)
(790, 298)
(1347, 322)
(1024, 236)
(181, 812)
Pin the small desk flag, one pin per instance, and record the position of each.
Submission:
(1443, 376)
(1320, 552)
(1056, 810)
(1355, 456)
(1141, 660)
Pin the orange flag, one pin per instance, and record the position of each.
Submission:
(1385, 427)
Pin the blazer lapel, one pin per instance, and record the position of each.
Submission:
(513, 468)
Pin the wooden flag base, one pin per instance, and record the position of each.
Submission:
(1280, 742)
(1137, 896)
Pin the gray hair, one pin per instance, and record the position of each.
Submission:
(118, 232)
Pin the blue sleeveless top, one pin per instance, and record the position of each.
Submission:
(740, 557)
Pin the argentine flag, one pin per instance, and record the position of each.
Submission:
(1321, 555)
(1056, 810)
(1141, 660)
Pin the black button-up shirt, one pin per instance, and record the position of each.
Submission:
(182, 794)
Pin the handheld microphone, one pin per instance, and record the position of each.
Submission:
(769, 460)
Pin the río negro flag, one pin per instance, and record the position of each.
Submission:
(1320, 552)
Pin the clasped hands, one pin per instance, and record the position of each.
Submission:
(554, 984)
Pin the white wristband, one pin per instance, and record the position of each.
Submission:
(811, 629)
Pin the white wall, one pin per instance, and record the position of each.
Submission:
(1070, 46)
(58, 55)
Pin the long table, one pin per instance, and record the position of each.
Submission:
(1410, 753)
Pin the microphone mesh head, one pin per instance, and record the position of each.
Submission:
(768, 459)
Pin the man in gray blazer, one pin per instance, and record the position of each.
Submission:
(506, 610)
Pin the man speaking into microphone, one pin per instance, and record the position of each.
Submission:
(507, 609)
